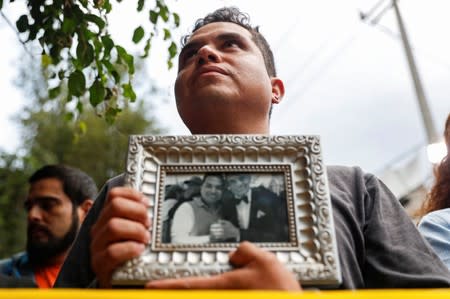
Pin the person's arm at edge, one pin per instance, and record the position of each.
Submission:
(436, 230)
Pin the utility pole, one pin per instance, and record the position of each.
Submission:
(432, 135)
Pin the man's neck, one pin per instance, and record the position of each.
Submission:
(53, 261)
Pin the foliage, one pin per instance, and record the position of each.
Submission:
(89, 143)
(80, 53)
(12, 216)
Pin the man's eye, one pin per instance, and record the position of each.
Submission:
(231, 43)
(27, 206)
(47, 205)
(190, 54)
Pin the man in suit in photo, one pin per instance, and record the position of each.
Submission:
(257, 212)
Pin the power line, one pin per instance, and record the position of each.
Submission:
(428, 54)
(375, 8)
(375, 22)
(307, 84)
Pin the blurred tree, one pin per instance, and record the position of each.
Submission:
(13, 178)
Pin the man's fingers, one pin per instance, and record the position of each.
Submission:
(104, 262)
(128, 193)
(213, 282)
(116, 230)
(121, 207)
(246, 253)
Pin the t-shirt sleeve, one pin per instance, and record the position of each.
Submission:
(396, 254)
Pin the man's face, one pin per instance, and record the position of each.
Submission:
(211, 190)
(221, 77)
(239, 185)
(52, 220)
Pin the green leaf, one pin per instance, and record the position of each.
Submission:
(77, 83)
(112, 70)
(85, 53)
(109, 44)
(68, 25)
(96, 93)
(22, 23)
(108, 65)
(96, 20)
(1, 4)
(97, 46)
(176, 19)
(128, 92)
(80, 107)
(33, 30)
(83, 127)
(148, 45)
(169, 64)
(129, 59)
(138, 34)
(167, 34)
(153, 16)
(116, 76)
(140, 5)
(110, 115)
(164, 13)
(46, 60)
(54, 92)
(69, 116)
(107, 6)
(173, 50)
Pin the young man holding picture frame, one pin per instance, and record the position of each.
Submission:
(227, 84)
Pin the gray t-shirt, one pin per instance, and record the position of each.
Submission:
(378, 245)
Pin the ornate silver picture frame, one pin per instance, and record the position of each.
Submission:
(209, 192)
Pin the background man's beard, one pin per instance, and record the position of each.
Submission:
(40, 253)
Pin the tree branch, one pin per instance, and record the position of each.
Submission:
(17, 33)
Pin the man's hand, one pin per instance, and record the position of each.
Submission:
(256, 269)
(223, 230)
(120, 233)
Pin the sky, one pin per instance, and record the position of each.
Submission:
(346, 80)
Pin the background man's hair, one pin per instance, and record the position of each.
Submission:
(234, 15)
(77, 185)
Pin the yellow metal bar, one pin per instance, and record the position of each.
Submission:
(151, 294)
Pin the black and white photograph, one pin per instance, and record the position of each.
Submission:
(224, 207)
(210, 194)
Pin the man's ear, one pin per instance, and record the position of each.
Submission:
(83, 208)
(277, 90)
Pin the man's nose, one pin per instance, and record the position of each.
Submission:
(207, 54)
(34, 214)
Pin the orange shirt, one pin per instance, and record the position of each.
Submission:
(45, 277)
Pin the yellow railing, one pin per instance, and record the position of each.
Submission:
(141, 294)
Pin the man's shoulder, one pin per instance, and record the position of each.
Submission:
(13, 261)
(346, 176)
(116, 181)
(344, 171)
